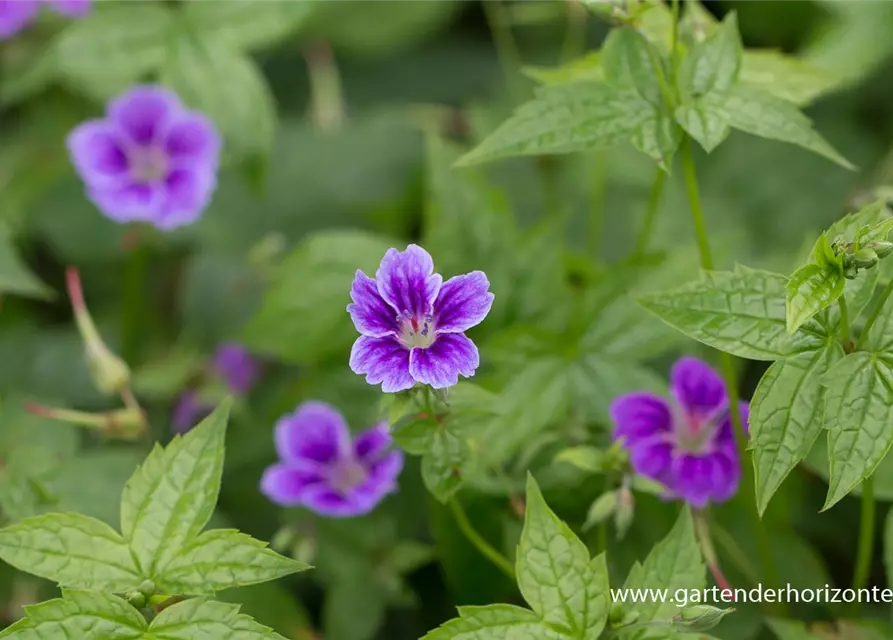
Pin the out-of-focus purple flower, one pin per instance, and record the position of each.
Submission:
(322, 469)
(412, 323)
(16, 14)
(238, 368)
(189, 411)
(150, 159)
(687, 443)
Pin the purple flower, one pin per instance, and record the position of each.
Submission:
(412, 323)
(323, 470)
(149, 160)
(16, 14)
(189, 411)
(687, 443)
(238, 368)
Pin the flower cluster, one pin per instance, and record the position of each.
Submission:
(149, 160)
(685, 443)
(323, 469)
(15, 15)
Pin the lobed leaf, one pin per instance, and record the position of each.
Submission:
(811, 289)
(79, 614)
(199, 618)
(494, 622)
(444, 462)
(713, 64)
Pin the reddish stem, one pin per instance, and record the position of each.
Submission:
(75, 293)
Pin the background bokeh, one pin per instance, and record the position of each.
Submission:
(335, 116)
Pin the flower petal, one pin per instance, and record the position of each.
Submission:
(726, 476)
(325, 501)
(315, 432)
(384, 361)
(640, 415)
(440, 365)
(694, 479)
(144, 113)
(697, 387)
(235, 364)
(287, 484)
(15, 15)
(381, 482)
(726, 432)
(463, 302)
(406, 280)
(71, 8)
(129, 202)
(187, 194)
(387, 469)
(97, 154)
(370, 444)
(371, 315)
(192, 139)
(652, 458)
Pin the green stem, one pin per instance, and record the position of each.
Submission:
(874, 314)
(575, 35)
(504, 41)
(702, 531)
(325, 87)
(844, 321)
(645, 231)
(674, 42)
(480, 544)
(735, 553)
(728, 373)
(866, 539)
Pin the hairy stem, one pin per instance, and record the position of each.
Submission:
(643, 238)
(866, 539)
(486, 549)
(728, 373)
(875, 312)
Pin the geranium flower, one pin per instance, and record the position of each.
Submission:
(323, 469)
(686, 443)
(149, 160)
(15, 15)
(238, 368)
(412, 323)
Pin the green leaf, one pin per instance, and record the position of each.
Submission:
(706, 126)
(228, 87)
(674, 563)
(741, 312)
(786, 77)
(302, 316)
(15, 277)
(555, 574)
(198, 618)
(858, 418)
(628, 59)
(585, 69)
(888, 548)
(111, 49)
(494, 622)
(368, 608)
(79, 614)
(880, 334)
(584, 457)
(713, 65)
(789, 629)
(221, 559)
(245, 24)
(171, 497)
(761, 114)
(72, 550)
(444, 463)
(786, 415)
(811, 289)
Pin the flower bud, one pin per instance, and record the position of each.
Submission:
(625, 510)
(601, 509)
(865, 258)
(110, 373)
(700, 617)
(304, 550)
(136, 599)
(882, 249)
(147, 588)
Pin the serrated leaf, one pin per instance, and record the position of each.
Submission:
(494, 622)
(228, 87)
(584, 457)
(880, 334)
(761, 114)
(221, 559)
(574, 117)
(786, 415)
(786, 77)
(246, 24)
(109, 50)
(444, 463)
(713, 64)
(628, 60)
(198, 618)
(72, 550)
(79, 614)
(858, 418)
(674, 563)
(171, 497)
(811, 289)
(706, 126)
(741, 312)
(555, 574)
(15, 277)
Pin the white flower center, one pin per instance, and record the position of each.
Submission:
(417, 332)
(695, 431)
(346, 475)
(148, 165)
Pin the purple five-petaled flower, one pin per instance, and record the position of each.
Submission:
(687, 443)
(16, 14)
(323, 469)
(412, 323)
(238, 368)
(149, 160)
